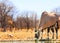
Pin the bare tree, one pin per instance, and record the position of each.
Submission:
(5, 12)
(26, 21)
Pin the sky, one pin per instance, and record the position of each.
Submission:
(37, 6)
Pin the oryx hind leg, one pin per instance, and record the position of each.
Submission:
(56, 29)
(56, 33)
(52, 29)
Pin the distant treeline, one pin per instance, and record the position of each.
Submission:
(23, 21)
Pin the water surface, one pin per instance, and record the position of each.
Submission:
(29, 41)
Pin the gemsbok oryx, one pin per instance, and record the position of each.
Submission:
(49, 21)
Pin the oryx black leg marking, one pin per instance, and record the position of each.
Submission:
(52, 29)
(36, 35)
(48, 30)
(56, 29)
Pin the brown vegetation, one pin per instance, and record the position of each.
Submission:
(7, 21)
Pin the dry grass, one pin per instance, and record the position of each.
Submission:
(24, 35)
(18, 34)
